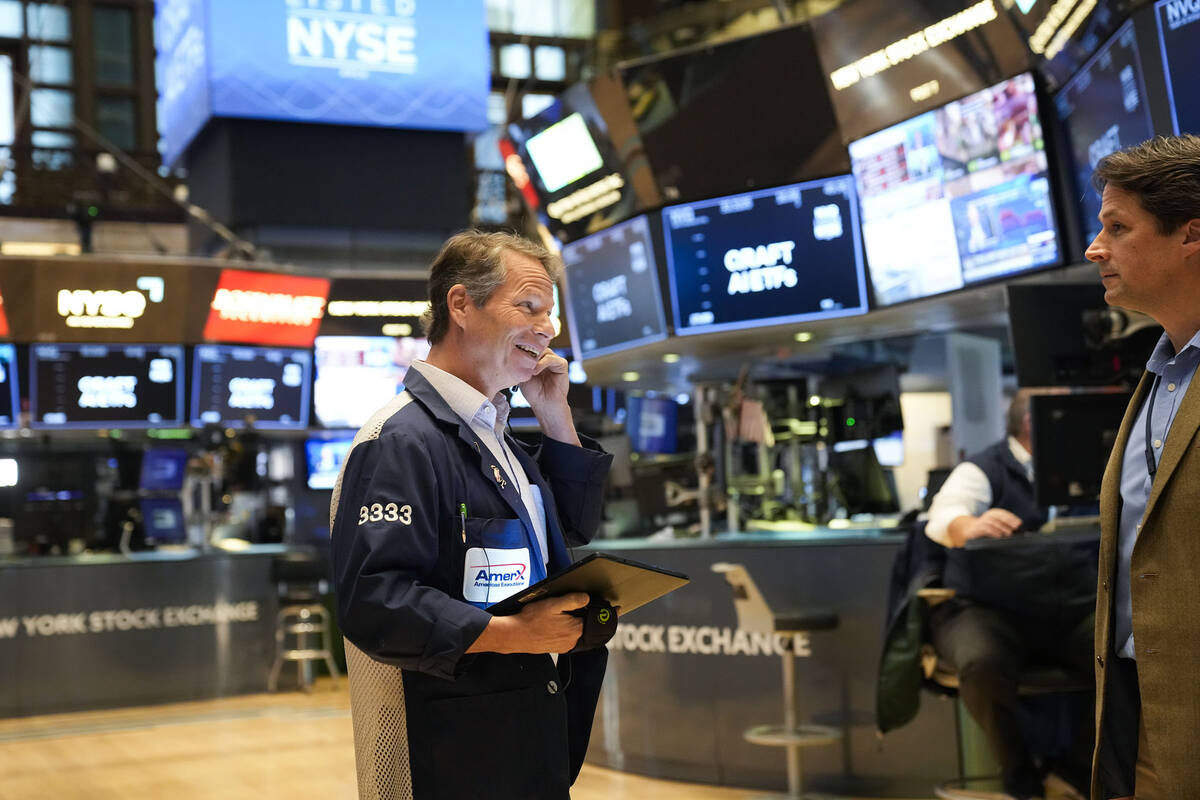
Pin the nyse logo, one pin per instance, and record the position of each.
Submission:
(109, 308)
(355, 37)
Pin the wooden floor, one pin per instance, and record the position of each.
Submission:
(290, 746)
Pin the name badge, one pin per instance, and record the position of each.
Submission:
(491, 574)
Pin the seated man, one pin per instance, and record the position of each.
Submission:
(1014, 605)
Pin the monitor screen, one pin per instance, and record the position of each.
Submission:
(970, 182)
(231, 383)
(857, 481)
(358, 375)
(1104, 108)
(10, 393)
(613, 296)
(1073, 435)
(564, 152)
(105, 386)
(1179, 37)
(162, 520)
(652, 424)
(163, 470)
(325, 457)
(765, 258)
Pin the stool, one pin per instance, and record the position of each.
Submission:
(302, 625)
(753, 614)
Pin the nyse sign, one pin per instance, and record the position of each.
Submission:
(355, 37)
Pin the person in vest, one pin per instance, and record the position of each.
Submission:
(1147, 601)
(1015, 605)
(439, 513)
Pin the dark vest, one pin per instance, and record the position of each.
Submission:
(1033, 578)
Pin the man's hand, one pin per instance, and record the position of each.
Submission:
(995, 523)
(543, 626)
(546, 392)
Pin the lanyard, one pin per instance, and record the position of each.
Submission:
(1151, 462)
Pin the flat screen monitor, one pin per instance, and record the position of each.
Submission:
(652, 424)
(564, 152)
(163, 470)
(231, 383)
(765, 258)
(162, 520)
(1073, 435)
(105, 386)
(1104, 108)
(358, 375)
(613, 297)
(325, 457)
(858, 482)
(957, 195)
(10, 392)
(1179, 38)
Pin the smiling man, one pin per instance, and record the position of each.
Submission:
(439, 513)
(1147, 603)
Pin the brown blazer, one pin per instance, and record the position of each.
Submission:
(1165, 577)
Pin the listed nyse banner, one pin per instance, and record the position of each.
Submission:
(1179, 30)
(394, 63)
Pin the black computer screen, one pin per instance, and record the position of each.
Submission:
(1104, 108)
(1179, 37)
(10, 395)
(1073, 435)
(612, 291)
(105, 386)
(769, 257)
(858, 482)
(231, 383)
(969, 181)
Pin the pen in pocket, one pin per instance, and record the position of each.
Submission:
(462, 515)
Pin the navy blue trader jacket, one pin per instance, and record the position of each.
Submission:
(423, 520)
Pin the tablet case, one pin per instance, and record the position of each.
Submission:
(624, 583)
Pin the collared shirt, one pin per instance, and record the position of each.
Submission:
(967, 493)
(1174, 373)
(486, 419)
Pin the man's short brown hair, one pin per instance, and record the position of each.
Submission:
(1164, 172)
(476, 260)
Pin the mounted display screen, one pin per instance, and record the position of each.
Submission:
(765, 258)
(10, 393)
(1104, 108)
(232, 383)
(325, 457)
(968, 181)
(105, 386)
(613, 297)
(357, 375)
(1179, 36)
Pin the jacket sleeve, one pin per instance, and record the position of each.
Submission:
(385, 545)
(576, 476)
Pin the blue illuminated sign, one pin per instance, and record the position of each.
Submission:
(1179, 34)
(390, 63)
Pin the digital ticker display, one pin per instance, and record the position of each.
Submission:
(970, 182)
(10, 394)
(1179, 37)
(613, 296)
(105, 386)
(231, 383)
(1104, 108)
(765, 258)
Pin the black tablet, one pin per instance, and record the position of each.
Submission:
(625, 583)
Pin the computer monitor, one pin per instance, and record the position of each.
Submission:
(1104, 108)
(325, 457)
(1179, 39)
(970, 181)
(857, 481)
(652, 424)
(163, 470)
(769, 257)
(10, 393)
(162, 520)
(613, 297)
(358, 375)
(105, 386)
(231, 383)
(1073, 435)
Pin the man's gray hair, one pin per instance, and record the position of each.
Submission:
(476, 260)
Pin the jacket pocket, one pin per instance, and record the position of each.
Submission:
(500, 746)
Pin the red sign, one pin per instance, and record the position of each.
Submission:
(3, 319)
(266, 308)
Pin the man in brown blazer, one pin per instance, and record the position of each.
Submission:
(1148, 593)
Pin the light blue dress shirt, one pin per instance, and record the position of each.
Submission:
(1174, 371)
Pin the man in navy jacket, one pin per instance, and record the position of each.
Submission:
(437, 514)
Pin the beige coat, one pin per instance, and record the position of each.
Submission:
(1165, 577)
